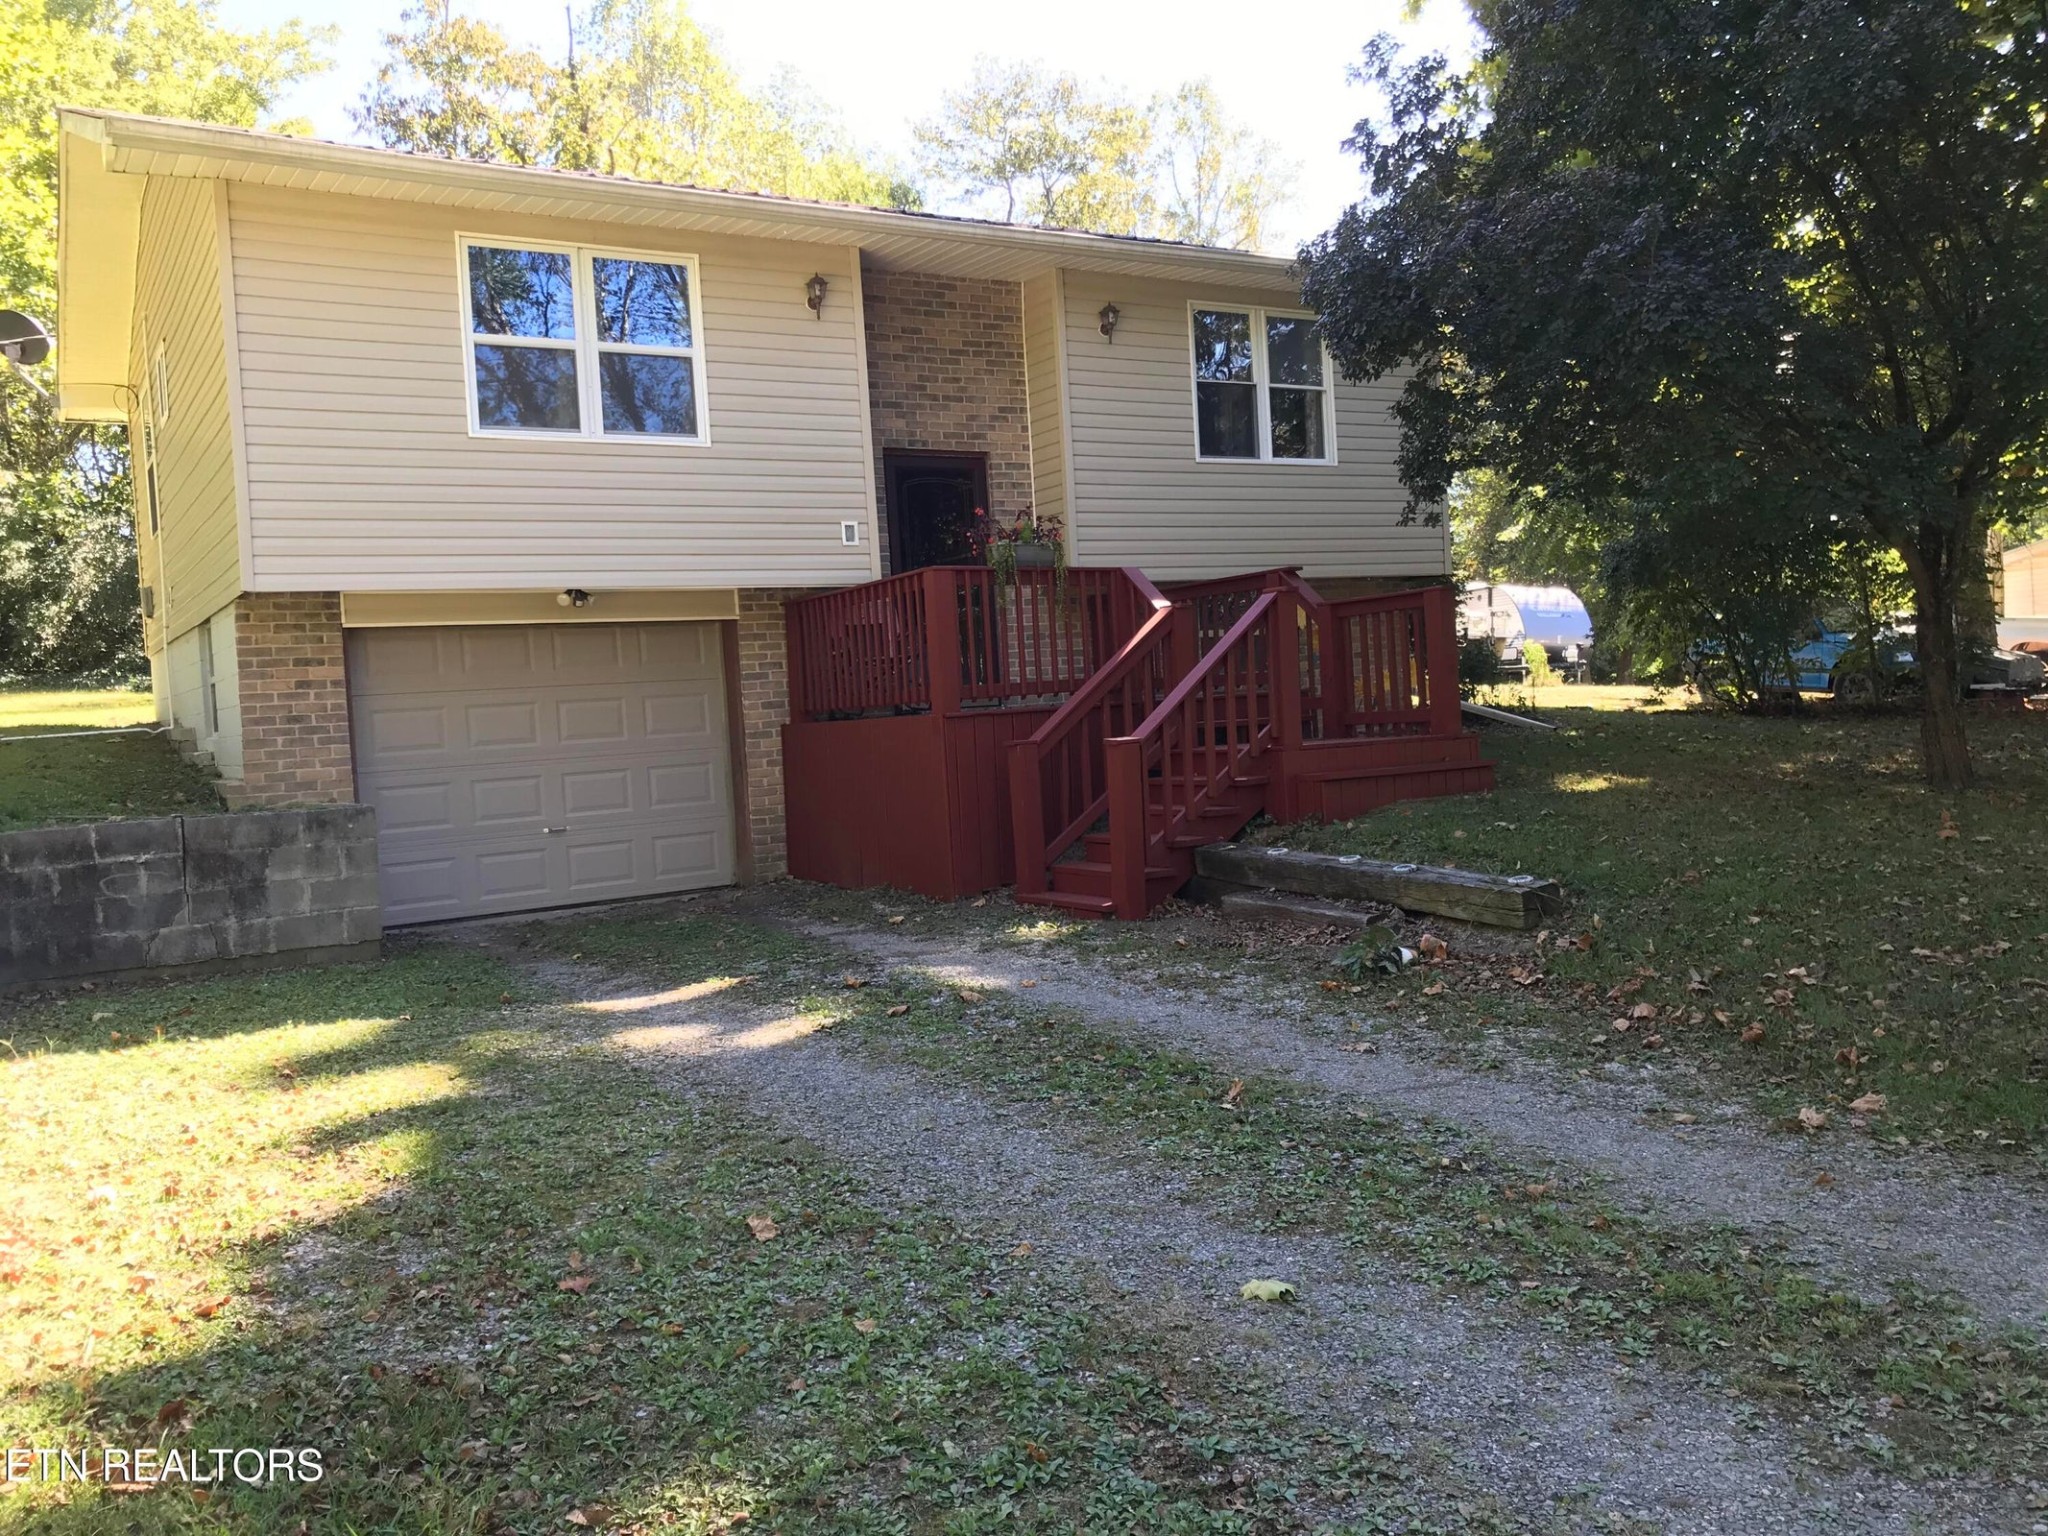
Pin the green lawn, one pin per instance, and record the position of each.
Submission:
(74, 709)
(99, 777)
(1800, 913)
(504, 1281)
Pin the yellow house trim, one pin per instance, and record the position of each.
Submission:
(392, 610)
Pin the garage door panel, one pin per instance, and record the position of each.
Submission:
(597, 650)
(693, 857)
(591, 722)
(682, 786)
(384, 731)
(484, 656)
(514, 798)
(523, 768)
(598, 792)
(403, 808)
(677, 717)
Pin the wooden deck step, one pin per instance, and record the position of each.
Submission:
(1090, 877)
(1086, 906)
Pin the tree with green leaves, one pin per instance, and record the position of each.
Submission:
(68, 584)
(1038, 147)
(1776, 255)
(641, 90)
(1217, 183)
(1030, 145)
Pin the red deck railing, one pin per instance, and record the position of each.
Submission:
(1392, 665)
(1201, 743)
(952, 635)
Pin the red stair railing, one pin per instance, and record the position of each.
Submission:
(1058, 783)
(1202, 737)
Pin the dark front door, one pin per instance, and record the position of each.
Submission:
(931, 500)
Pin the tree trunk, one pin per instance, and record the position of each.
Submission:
(1944, 743)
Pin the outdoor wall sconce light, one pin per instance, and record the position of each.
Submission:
(573, 597)
(814, 295)
(1109, 315)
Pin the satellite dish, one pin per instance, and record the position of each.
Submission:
(23, 341)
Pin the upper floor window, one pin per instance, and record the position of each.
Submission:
(1261, 385)
(583, 343)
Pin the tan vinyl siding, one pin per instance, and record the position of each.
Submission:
(1045, 398)
(363, 473)
(197, 570)
(1140, 497)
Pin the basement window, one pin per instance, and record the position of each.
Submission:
(572, 342)
(1261, 381)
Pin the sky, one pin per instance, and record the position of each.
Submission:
(885, 64)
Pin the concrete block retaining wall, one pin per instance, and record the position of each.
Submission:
(180, 891)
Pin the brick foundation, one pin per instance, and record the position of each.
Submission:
(294, 694)
(762, 672)
(946, 375)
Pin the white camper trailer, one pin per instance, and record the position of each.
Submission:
(1511, 615)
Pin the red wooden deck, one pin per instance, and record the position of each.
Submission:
(1079, 735)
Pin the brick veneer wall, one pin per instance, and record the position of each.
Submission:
(946, 375)
(294, 688)
(763, 673)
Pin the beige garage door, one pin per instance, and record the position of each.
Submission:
(517, 767)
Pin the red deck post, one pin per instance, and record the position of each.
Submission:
(1027, 818)
(942, 640)
(1440, 660)
(1283, 657)
(1124, 762)
(800, 707)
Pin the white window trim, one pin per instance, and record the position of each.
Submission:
(586, 347)
(160, 387)
(1261, 384)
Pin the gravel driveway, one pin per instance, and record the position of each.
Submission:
(1558, 1433)
(1876, 1220)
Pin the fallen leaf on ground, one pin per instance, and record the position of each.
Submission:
(1235, 1094)
(1948, 827)
(1753, 1035)
(1823, 1180)
(763, 1228)
(1037, 1453)
(895, 920)
(1430, 947)
(854, 981)
(575, 1284)
(1869, 1104)
(1812, 1118)
(213, 1308)
(968, 995)
(899, 1010)
(1021, 1251)
(1266, 1290)
(865, 1325)
(1434, 989)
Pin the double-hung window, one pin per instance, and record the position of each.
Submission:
(1261, 385)
(582, 343)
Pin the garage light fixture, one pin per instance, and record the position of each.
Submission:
(1108, 316)
(573, 597)
(814, 295)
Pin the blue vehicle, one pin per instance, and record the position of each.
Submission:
(1829, 661)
